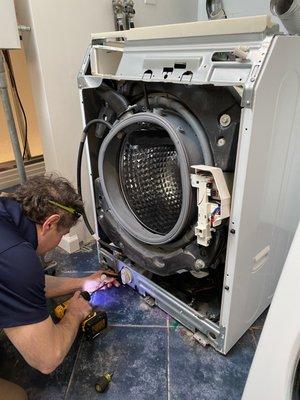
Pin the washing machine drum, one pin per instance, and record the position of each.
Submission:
(150, 179)
(144, 170)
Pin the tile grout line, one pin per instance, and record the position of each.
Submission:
(137, 326)
(168, 358)
(253, 338)
(73, 369)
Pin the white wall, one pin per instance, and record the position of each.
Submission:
(241, 8)
(9, 34)
(237, 8)
(165, 12)
(55, 48)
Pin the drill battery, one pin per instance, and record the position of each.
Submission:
(94, 324)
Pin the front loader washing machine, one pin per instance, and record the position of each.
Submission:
(193, 152)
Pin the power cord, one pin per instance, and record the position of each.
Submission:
(14, 86)
(79, 187)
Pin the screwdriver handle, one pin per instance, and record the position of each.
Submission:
(103, 382)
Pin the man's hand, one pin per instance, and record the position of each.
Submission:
(99, 280)
(33, 341)
(79, 307)
(60, 286)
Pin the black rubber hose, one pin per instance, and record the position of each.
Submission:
(146, 97)
(79, 187)
(80, 152)
(116, 101)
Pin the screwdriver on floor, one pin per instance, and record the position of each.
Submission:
(102, 384)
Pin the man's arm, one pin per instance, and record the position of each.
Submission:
(60, 286)
(44, 345)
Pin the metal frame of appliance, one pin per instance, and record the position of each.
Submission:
(265, 73)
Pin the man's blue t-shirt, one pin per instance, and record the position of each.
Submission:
(22, 279)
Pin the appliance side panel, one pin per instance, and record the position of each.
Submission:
(278, 383)
(265, 208)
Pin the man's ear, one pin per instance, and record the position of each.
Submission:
(49, 223)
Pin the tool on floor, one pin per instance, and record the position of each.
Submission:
(94, 322)
(103, 382)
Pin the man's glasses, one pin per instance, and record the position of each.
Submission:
(70, 210)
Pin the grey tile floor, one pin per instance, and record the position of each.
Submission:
(152, 356)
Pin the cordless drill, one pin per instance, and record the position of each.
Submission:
(93, 324)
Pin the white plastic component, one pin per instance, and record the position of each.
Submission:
(126, 276)
(233, 26)
(70, 243)
(241, 52)
(9, 34)
(213, 200)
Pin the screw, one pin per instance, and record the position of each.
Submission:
(226, 288)
(199, 265)
(225, 120)
(232, 231)
(221, 142)
(180, 129)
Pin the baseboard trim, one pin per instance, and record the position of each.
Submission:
(11, 178)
